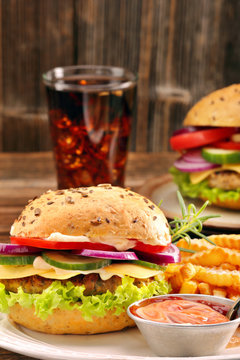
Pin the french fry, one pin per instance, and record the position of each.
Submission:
(226, 241)
(232, 256)
(226, 266)
(204, 288)
(211, 257)
(189, 287)
(176, 282)
(185, 257)
(195, 244)
(211, 270)
(188, 271)
(215, 257)
(182, 273)
(220, 292)
(173, 268)
(218, 277)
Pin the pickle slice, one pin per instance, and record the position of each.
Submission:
(67, 261)
(221, 156)
(17, 259)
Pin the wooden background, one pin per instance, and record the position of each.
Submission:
(181, 50)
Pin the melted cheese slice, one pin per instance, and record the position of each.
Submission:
(133, 270)
(197, 177)
(15, 272)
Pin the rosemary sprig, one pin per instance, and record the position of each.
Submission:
(191, 222)
(186, 250)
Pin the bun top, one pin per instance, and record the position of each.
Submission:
(219, 108)
(102, 213)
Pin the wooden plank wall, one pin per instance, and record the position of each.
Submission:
(181, 50)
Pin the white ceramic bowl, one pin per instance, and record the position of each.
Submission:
(186, 340)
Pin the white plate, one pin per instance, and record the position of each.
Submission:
(122, 345)
(164, 189)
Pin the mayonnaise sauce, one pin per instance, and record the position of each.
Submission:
(180, 311)
(120, 244)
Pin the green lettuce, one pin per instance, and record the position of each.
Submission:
(70, 297)
(201, 189)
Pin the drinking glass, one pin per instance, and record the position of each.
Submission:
(91, 110)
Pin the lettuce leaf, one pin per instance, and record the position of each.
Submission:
(71, 297)
(202, 189)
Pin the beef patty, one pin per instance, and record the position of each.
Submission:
(94, 285)
(226, 180)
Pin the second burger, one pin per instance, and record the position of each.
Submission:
(209, 145)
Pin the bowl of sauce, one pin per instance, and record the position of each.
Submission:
(184, 325)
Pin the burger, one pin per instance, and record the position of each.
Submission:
(209, 145)
(79, 257)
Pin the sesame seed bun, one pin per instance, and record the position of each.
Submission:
(97, 212)
(69, 321)
(219, 108)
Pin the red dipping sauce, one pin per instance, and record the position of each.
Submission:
(176, 310)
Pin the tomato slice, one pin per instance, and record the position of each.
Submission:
(228, 145)
(72, 245)
(59, 245)
(200, 138)
(149, 248)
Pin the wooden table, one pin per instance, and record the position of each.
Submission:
(23, 176)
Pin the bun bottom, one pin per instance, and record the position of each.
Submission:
(227, 204)
(69, 321)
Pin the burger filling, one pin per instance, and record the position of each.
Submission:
(88, 293)
(211, 188)
(209, 162)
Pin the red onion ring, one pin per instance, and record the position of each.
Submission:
(193, 156)
(113, 255)
(185, 166)
(170, 255)
(17, 249)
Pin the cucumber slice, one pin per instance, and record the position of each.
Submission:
(221, 156)
(148, 264)
(17, 259)
(67, 261)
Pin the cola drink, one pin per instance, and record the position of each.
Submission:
(90, 120)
